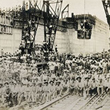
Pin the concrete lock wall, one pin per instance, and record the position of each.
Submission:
(10, 42)
(67, 42)
(99, 41)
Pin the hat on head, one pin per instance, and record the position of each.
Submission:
(58, 82)
(6, 82)
(78, 78)
(87, 77)
(51, 81)
(39, 83)
(93, 78)
(45, 82)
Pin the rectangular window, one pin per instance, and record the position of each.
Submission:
(80, 34)
(84, 34)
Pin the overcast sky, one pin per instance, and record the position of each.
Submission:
(93, 7)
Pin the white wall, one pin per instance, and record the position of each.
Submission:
(99, 40)
(9, 43)
(66, 42)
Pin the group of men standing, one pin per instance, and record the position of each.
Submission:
(23, 82)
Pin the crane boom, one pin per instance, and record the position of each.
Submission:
(51, 16)
(29, 27)
(106, 5)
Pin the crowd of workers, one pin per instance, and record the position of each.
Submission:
(61, 75)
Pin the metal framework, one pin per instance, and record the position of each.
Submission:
(30, 18)
(85, 24)
(52, 10)
(31, 15)
(106, 5)
(65, 11)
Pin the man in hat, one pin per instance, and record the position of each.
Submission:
(40, 92)
(46, 92)
(79, 86)
(56, 67)
(93, 87)
(59, 88)
(51, 66)
(86, 87)
(33, 93)
(55, 87)
(52, 89)
(1, 93)
(100, 87)
(8, 94)
(108, 85)
(72, 86)
(28, 92)
(14, 88)
(104, 66)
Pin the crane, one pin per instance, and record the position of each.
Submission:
(31, 16)
(106, 5)
(52, 10)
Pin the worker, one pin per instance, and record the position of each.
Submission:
(93, 87)
(100, 87)
(79, 86)
(46, 92)
(87, 86)
(8, 94)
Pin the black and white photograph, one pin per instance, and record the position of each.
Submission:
(54, 54)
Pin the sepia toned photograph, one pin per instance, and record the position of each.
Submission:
(54, 54)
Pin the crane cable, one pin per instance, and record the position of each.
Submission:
(84, 27)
